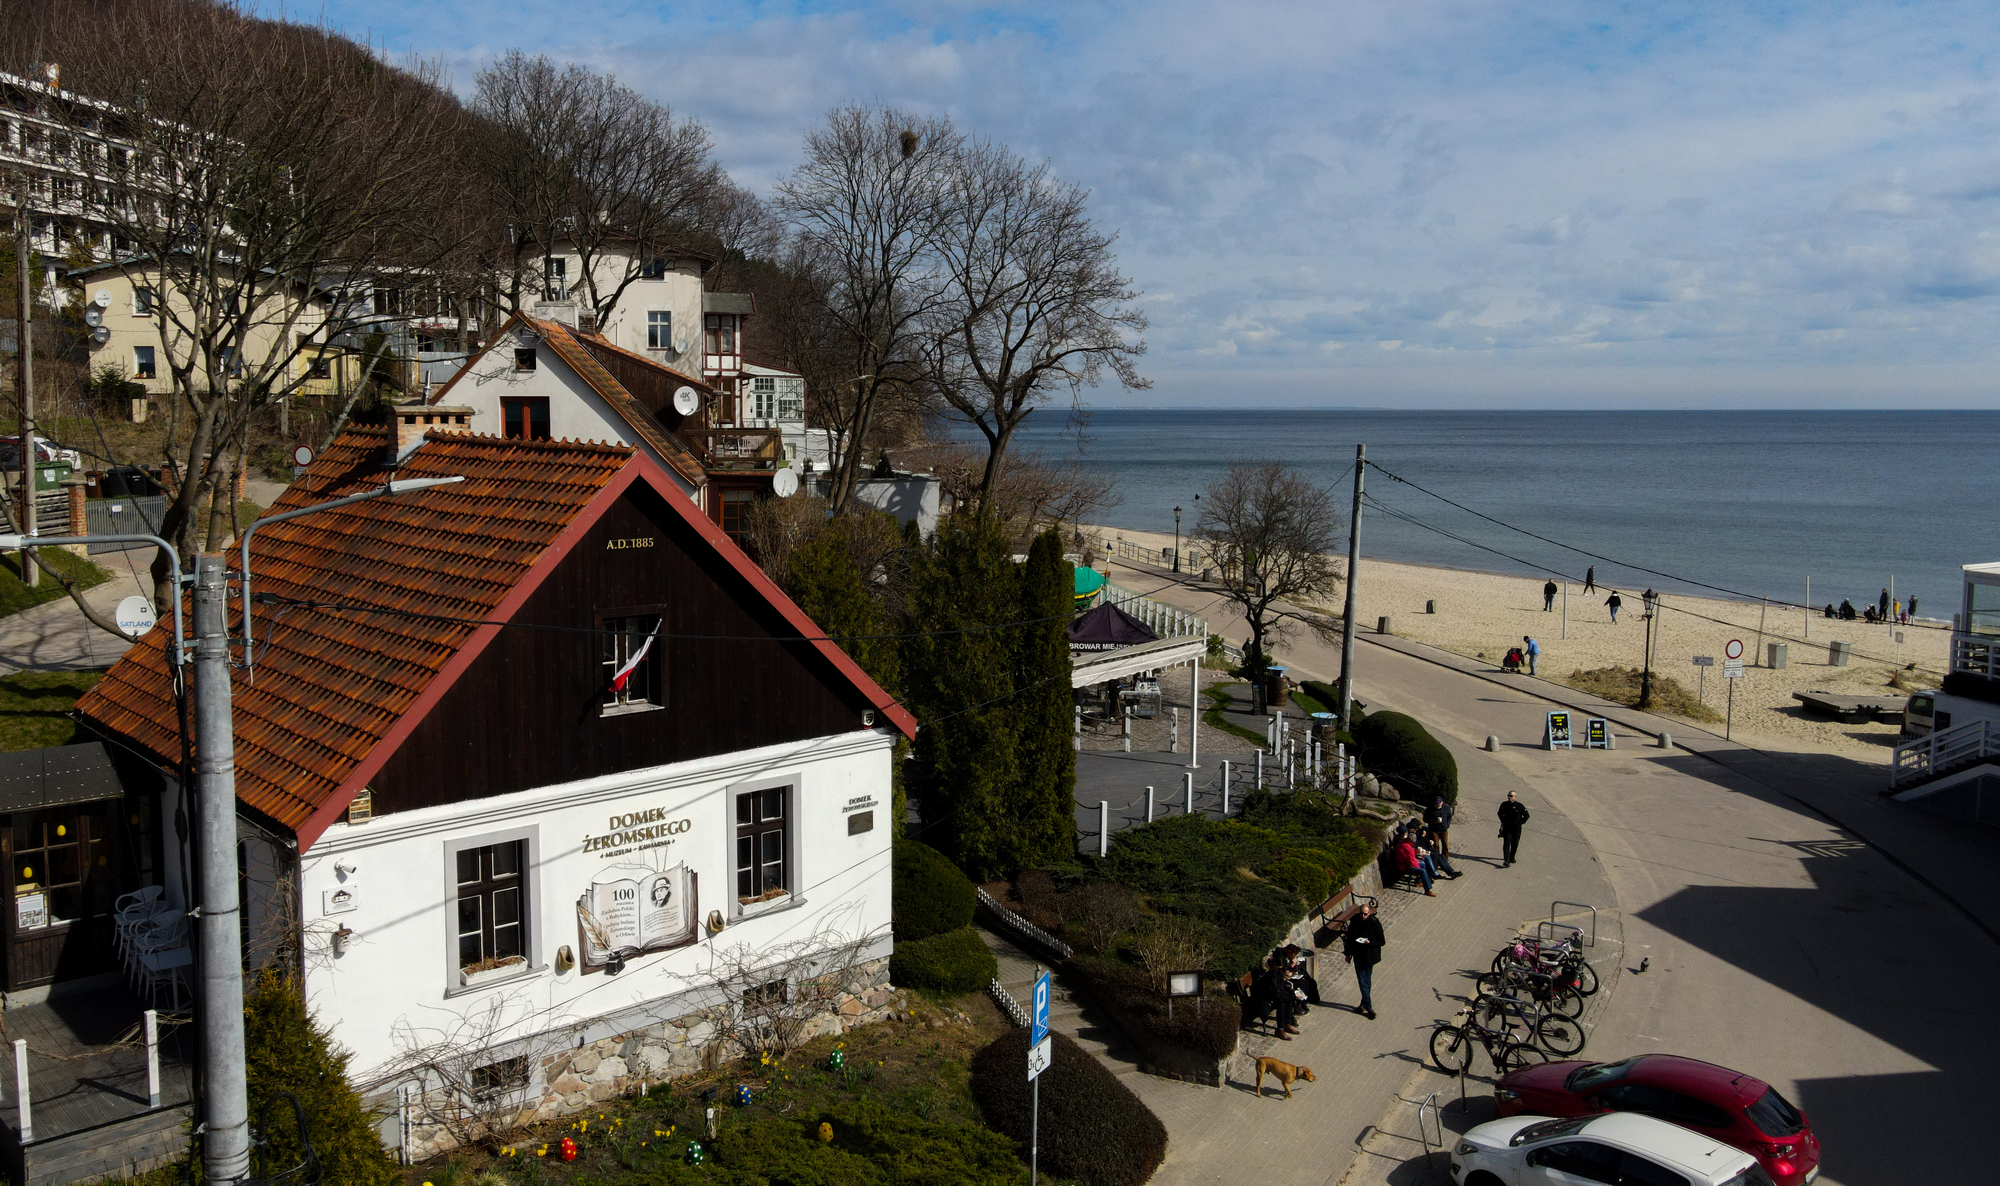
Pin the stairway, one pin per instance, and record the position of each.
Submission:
(1018, 968)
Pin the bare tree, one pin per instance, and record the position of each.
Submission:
(1032, 302)
(865, 210)
(258, 177)
(1272, 532)
(474, 1070)
(1029, 493)
(574, 157)
(776, 998)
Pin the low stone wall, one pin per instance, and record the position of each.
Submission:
(1169, 1062)
(570, 1081)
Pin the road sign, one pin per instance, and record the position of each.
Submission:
(135, 615)
(1557, 734)
(1734, 650)
(1704, 660)
(303, 455)
(1039, 1056)
(1038, 1031)
(1732, 669)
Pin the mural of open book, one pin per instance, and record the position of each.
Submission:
(630, 910)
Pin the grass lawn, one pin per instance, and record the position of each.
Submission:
(1219, 700)
(15, 595)
(34, 707)
(899, 1112)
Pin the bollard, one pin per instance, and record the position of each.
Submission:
(1225, 789)
(1837, 654)
(1382, 624)
(1149, 805)
(1430, 607)
(152, 1058)
(1076, 740)
(1103, 827)
(1174, 733)
(1190, 793)
(1492, 744)
(27, 1117)
(1260, 770)
(1128, 728)
(1777, 655)
(1666, 740)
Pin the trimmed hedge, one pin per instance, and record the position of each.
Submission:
(1209, 1029)
(956, 961)
(931, 897)
(1093, 1129)
(288, 1050)
(1398, 748)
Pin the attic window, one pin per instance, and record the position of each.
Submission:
(524, 358)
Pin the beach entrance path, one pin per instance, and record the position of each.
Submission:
(1847, 963)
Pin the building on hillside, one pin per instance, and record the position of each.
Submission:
(543, 376)
(61, 158)
(1954, 765)
(545, 787)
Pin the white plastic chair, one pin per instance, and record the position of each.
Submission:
(155, 932)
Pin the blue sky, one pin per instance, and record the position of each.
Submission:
(1423, 203)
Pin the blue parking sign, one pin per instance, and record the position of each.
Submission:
(1040, 1026)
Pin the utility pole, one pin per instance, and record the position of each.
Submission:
(1353, 572)
(24, 379)
(225, 1146)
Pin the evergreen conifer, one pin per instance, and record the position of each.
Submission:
(288, 1051)
(1043, 707)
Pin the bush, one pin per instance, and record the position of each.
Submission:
(1307, 878)
(1398, 748)
(1093, 1129)
(288, 1051)
(873, 1145)
(1209, 1029)
(956, 961)
(931, 896)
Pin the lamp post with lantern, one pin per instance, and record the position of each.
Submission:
(1177, 539)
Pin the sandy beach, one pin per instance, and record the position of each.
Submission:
(1482, 614)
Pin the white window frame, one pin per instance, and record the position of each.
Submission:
(154, 351)
(144, 301)
(659, 329)
(532, 913)
(795, 872)
(764, 396)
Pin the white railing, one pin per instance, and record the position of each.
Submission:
(1978, 654)
(1162, 619)
(1929, 756)
(1194, 558)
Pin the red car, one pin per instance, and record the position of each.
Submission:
(1730, 1107)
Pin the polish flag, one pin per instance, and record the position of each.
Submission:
(625, 673)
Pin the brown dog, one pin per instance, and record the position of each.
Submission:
(1284, 1072)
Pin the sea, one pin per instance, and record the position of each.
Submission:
(1745, 504)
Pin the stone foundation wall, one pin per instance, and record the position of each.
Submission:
(570, 1081)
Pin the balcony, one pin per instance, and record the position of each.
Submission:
(1975, 654)
(736, 448)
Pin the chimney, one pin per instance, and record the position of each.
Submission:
(560, 312)
(586, 320)
(414, 420)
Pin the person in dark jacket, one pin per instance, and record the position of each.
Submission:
(1437, 819)
(1363, 944)
(1272, 991)
(1549, 592)
(1305, 988)
(1613, 603)
(1590, 579)
(1882, 605)
(1512, 817)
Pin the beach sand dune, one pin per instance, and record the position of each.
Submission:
(1482, 614)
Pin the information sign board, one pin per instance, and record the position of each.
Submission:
(1038, 1030)
(1704, 660)
(1596, 733)
(1557, 735)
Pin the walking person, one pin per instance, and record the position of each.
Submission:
(1913, 608)
(1612, 603)
(1513, 816)
(1549, 592)
(1590, 579)
(1363, 944)
(1882, 605)
(1532, 651)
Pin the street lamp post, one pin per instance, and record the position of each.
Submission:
(1177, 539)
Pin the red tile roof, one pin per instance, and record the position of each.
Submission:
(334, 695)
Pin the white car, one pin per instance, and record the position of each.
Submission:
(1618, 1148)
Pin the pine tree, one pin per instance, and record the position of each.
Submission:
(1043, 706)
(289, 1052)
(827, 583)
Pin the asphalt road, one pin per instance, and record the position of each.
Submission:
(1779, 944)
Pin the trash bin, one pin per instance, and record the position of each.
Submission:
(1837, 654)
(1324, 726)
(1776, 654)
(1276, 686)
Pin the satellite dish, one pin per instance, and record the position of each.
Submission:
(687, 401)
(100, 335)
(784, 483)
(303, 455)
(135, 616)
(103, 298)
(93, 316)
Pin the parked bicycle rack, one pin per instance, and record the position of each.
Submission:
(1548, 931)
(1590, 942)
(1436, 1110)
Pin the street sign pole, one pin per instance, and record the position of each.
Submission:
(1040, 1055)
(1729, 717)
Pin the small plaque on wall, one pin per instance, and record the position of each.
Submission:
(339, 901)
(859, 822)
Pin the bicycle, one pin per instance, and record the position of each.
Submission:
(1552, 1031)
(1451, 1046)
(1543, 987)
(1562, 959)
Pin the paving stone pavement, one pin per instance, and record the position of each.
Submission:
(55, 636)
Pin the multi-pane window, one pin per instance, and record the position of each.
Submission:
(631, 662)
(143, 364)
(525, 418)
(792, 399)
(736, 506)
(498, 1079)
(764, 396)
(556, 276)
(492, 915)
(659, 329)
(763, 858)
(721, 333)
(142, 302)
(653, 269)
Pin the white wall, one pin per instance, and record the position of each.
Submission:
(399, 972)
(678, 292)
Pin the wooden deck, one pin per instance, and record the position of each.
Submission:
(87, 1089)
(1848, 704)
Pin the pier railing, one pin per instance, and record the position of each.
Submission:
(1162, 619)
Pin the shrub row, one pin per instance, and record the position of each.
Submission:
(1398, 748)
(956, 961)
(1093, 1129)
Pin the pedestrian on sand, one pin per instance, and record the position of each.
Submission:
(1612, 603)
(1531, 651)
(1882, 605)
(1846, 610)
(1512, 816)
(1437, 818)
(1590, 579)
(1549, 592)
(1896, 610)
(1363, 945)
(1913, 608)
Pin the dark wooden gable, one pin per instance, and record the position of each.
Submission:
(526, 712)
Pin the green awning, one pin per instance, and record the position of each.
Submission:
(1089, 582)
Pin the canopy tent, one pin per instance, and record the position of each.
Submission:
(1107, 628)
(1089, 582)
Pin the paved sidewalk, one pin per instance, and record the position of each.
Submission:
(55, 636)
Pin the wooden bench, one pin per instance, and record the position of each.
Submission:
(1336, 912)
